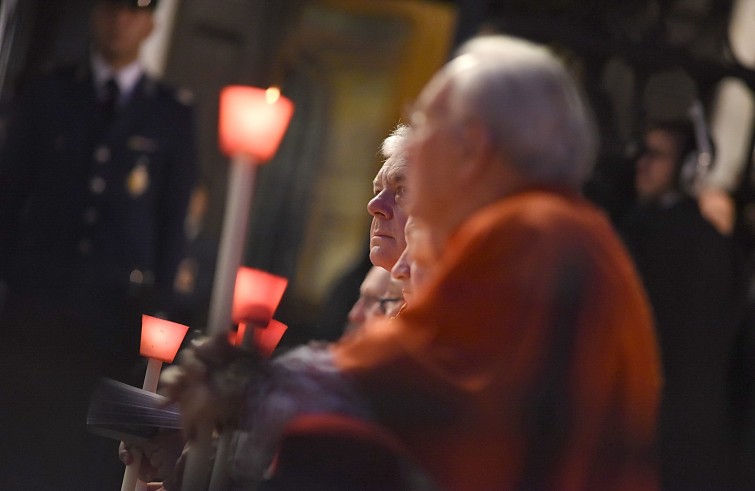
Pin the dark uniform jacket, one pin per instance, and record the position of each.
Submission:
(88, 209)
(91, 232)
(692, 275)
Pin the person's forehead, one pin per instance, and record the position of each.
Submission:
(392, 173)
(436, 89)
(376, 281)
(434, 98)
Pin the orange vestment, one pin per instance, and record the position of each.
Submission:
(528, 362)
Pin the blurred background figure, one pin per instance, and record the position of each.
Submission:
(667, 166)
(96, 171)
(693, 275)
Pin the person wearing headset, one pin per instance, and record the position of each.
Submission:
(691, 274)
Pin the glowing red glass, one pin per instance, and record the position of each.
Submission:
(256, 296)
(160, 338)
(252, 121)
(265, 338)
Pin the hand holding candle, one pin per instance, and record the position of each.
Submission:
(159, 343)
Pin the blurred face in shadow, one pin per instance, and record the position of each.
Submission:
(379, 296)
(656, 168)
(387, 208)
(119, 30)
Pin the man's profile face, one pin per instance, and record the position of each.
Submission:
(655, 169)
(434, 151)
(119, 30)
(388, 210)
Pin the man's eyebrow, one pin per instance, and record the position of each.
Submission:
(396, 176)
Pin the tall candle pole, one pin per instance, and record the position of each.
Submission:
(240, 186)
(159, 342)
(240, 191)
(251, 126)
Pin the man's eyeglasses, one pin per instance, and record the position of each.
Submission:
(387, 304)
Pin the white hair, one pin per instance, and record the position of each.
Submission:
(395, 144)
(530, 103)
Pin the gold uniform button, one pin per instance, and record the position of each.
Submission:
(97, 185)
(102, 154)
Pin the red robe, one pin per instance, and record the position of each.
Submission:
(528, 362)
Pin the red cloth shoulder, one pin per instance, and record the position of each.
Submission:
(534, 329)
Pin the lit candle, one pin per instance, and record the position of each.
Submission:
(252, 124)
(256, 296)
(159, 343)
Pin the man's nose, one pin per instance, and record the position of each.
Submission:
(357, 313)
(401, 270)
(381, 205)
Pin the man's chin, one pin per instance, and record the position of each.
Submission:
(379, 258)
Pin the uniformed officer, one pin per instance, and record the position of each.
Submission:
(95, 176)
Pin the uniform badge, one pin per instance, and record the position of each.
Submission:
(138, 181)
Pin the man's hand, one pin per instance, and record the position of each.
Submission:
(209, 382)
(159, 458)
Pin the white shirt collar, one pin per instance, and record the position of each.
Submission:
(127, 77)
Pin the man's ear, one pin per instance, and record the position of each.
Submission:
(477, 149)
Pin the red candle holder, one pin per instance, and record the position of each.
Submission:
(253, 121)
(265, 339)
(256, 296)
(161, 339)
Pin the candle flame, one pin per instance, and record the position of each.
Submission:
(272, 95)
